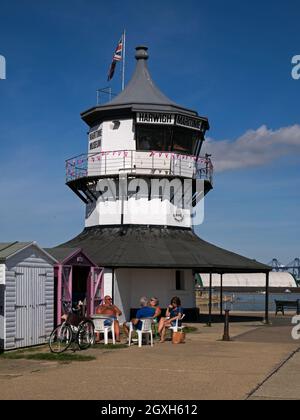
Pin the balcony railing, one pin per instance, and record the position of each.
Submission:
(134, 162)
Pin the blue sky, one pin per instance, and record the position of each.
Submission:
(230, 60)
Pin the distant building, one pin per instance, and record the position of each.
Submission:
(255, 281)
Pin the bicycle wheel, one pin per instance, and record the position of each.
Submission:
(86, 334)
(60, 338)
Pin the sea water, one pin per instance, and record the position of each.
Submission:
(255, 302)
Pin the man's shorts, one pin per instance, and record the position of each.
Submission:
(109, 322)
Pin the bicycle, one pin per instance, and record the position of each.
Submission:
(68, 332)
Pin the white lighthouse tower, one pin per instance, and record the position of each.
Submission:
(140, 181)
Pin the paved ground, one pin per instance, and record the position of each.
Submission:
(203, 368)
(284, 384)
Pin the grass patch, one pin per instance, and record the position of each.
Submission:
(20, 352)
(109, 346)
(62, 357)
(31, 349)
(189, 330)
(12, 355)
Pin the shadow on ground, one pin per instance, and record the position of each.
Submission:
(278, 332)
(234, 318)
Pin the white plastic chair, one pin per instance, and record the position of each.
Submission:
(177, 328)
(99, 321)
(146, 329)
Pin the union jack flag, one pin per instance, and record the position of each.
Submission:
(118, 55)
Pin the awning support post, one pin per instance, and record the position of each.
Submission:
(221, 296)
(210, 301)
(266, 320)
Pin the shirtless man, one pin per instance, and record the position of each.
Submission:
(112, 311)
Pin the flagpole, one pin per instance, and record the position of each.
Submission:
(124, 58)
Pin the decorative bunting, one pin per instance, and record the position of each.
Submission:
(77, 168)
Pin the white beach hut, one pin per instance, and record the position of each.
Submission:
(26, 295)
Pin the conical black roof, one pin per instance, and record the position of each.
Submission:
(141, 88)
(141, 94)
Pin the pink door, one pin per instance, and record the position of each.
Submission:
(94, 289)
(66, 289)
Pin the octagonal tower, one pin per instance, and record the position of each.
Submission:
(143, 149)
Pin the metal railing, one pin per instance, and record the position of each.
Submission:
(138, 163)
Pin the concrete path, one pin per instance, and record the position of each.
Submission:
(203, 368)
(284, 384)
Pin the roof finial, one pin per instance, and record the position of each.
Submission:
(141, 53)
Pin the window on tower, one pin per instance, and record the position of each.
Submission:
(166, 139)
(95, 144)
(184, 141)
(154, 138)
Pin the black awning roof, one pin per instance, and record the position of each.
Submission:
(156, 247)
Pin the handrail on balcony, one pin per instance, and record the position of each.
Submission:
(138, 162)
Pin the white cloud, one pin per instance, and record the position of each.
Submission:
(254, 148)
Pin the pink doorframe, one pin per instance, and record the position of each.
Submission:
(59, 294)
(95, 288)
(60, 284)
(94, 283)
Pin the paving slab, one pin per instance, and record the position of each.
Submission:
(284, 384)
(203, 368)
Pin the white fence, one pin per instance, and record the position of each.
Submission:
(139, 163)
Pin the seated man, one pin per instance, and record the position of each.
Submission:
(145, 311)
(112, 311)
